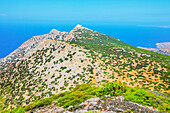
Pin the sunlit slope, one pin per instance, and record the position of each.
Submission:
(132, 65)
(84, 56)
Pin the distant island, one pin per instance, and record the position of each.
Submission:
(163, 48)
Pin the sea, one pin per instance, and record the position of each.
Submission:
(13, 35)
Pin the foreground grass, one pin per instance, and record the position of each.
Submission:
(85, 91)
(135, 94)
(76, 96)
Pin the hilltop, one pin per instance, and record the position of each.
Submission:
(47, 65)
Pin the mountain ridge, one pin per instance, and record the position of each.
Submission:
(31, 43)
(28, 46)
(61, 61)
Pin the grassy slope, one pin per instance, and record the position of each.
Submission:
(103, 43)
(107, 46)
(85, 91)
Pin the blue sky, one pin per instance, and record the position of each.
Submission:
(136, 12)
(22, 19)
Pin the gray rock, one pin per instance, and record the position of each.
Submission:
(111, 108)
(59, 109)
(91, 107)
(107, 96)
(108, 112)
(118, 110)
(67, 112)
(81, 111)
(95, 99)
(28, 46)
(111, 102)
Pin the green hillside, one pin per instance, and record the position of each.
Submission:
(92, 58)
(114, 49)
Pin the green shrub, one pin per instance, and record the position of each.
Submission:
(91, 112)
(83, 92)
(5, 111)
(68, 71)
(20, 110)
(63, 68)
(78, 95)
(147, 98)
(38, 103)
(2, 103)
(16, 110)
(59, 95)
(136, 94)
(113, 89)
(74, 98)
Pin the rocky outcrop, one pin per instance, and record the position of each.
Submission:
(72, 35)
(29, 45)
(57, 35)
(98, 105)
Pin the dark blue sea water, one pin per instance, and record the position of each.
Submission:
(13, 35)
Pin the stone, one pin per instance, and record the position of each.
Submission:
(59, 109)
(95, 99)
(91, 107)
(111, 102)
(108, 112)
(82, 111)
(111, 108)
(118, 110)
(107, 96)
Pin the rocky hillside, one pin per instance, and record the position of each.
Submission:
(28, 46)
(99, 105)
(48, 64)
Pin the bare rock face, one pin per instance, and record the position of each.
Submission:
(72, 35)
(98, 105)
(57, 35)
(29, 45)
(21, 52)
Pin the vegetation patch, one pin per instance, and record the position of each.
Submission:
(136, 94)
(83, 92)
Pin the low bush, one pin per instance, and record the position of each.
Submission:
(59, 95)
(74, 98)
(16, 110)
(38, 103)
(83, 92)
(2, 103)
(147, 98)
(112, 88)
(135, 94)
(77, 95)
(68, 71)
(20, 110)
